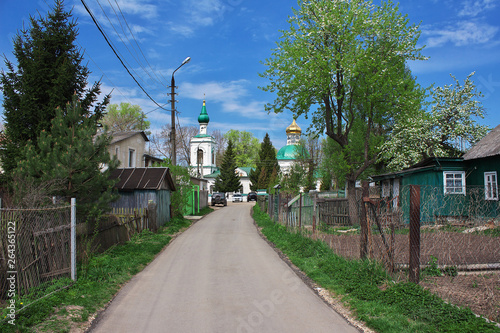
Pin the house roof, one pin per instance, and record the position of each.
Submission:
(143, 178)
(486, 147)
(120, 136)
(427, 164)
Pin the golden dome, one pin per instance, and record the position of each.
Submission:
(293, 128)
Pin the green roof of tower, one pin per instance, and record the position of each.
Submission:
(203, 117)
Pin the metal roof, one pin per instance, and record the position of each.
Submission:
(120, 136)
(143, 179)
(486, 147)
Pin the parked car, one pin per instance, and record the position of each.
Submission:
(219, 199)
(237, 197)
(252, 196)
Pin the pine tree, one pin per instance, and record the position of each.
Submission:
(228, 180)
(267, 169)
(49, 72)
(73, 155)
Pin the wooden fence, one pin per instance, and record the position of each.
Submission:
(138, 219)
(34, 245)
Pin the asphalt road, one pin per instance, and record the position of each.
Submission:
(219, 276)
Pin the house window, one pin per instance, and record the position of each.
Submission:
(454, 182)
(131, 158)
(491, 185)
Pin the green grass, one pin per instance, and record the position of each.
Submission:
(368, 290)
(204, 211)
(95, 286)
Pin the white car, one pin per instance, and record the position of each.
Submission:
(237, 197)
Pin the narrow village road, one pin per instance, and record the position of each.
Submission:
(219, 276)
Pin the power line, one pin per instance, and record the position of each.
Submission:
(115, 52)
(135, 40)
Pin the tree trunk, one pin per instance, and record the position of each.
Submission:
(351, 200)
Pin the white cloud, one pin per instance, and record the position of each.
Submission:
(460, 34)
(229, 95)
(473, 8)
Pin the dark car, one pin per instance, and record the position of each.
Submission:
(252, 196)
(219, 199)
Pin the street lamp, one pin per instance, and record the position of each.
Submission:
(172, 101)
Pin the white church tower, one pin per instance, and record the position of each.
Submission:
(203, 148)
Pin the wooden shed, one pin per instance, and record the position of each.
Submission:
(138, 186)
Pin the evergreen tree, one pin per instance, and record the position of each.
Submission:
(267, 169)
(75, 157)
(49, 71)
(228, 180)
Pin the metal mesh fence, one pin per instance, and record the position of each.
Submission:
(455, 246)
(34, 247)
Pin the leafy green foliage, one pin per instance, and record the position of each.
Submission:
(266, 172)
(49, 72)
(73, 154)
(343, 64)
(382, 304)
(183, 185)
(432, 268)
(125, 117)
(228, 180)
(246, 147)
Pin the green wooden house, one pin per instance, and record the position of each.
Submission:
(453, 190)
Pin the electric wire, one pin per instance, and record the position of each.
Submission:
(138, 46)
(116, 54)
(125, 44)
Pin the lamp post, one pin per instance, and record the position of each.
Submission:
(172, 101)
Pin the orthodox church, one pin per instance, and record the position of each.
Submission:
(203, 148)
(287, 154)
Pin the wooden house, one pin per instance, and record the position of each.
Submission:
(452, 189)
(138, 186)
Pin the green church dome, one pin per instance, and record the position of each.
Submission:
(203, 117)
(288, 152)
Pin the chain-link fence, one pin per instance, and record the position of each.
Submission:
(452, 247)
(35, 247)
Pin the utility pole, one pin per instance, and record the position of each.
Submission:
(172, 106)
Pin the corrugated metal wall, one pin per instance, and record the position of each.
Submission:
(140, 199)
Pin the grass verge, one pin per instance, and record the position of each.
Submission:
(96, 285)
(365, 287)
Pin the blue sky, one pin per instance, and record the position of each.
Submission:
(228, 39)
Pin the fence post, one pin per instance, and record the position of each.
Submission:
(73, 239)
(153, 223)
(363, 242)
(300, 211)
(414, 270)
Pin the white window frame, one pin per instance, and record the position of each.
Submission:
(454, 188)
(131, 158)
(491, 185)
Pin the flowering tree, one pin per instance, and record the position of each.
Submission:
(446, 131)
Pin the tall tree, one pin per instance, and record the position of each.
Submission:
(49, 72)
(125, 117)
(161, 143)
(342, 63)
(267, 169)
(246, 147)
(73, 155)
(221, 146)
(228, 180)
(446, 131)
